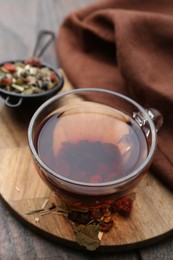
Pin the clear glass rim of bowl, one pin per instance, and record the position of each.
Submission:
(134, 174)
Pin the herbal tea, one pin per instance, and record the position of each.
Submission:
(91, 144)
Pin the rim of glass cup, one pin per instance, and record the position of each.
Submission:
(130, 176)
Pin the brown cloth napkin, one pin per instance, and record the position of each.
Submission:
(126, 46)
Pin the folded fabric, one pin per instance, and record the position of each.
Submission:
(126, 46)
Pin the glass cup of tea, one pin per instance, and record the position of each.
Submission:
(91, 146)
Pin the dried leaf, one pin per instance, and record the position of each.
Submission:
(88, 237)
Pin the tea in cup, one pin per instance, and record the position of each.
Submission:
(91, 146)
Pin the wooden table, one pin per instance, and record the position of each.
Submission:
(20, 21)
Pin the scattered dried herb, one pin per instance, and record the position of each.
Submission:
(28, 77)
(90, 224)
(99, 216)
(102, 218)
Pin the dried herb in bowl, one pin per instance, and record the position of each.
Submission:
(28, 77)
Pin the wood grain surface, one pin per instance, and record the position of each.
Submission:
(20, 21)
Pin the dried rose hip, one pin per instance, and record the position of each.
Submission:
(124, 206)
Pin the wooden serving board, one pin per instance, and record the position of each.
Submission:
(23, 190)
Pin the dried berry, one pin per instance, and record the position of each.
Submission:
(9, 67)
(124, 206)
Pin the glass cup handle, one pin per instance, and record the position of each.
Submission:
(155, 116)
